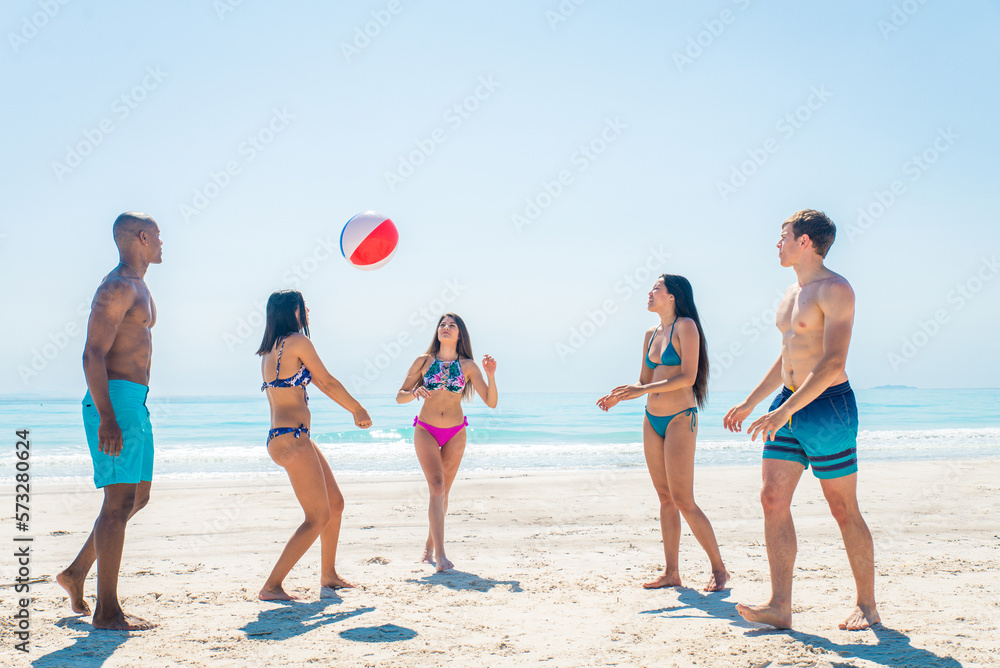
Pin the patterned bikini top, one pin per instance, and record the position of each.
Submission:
(301, 377)
(445, 376)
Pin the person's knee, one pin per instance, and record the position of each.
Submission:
(773, 500)
(337, 504)
(844, 510)
(436, 487)
(317, 520)
(140, 502)
(685, 503)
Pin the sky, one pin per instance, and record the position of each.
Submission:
(543, 162)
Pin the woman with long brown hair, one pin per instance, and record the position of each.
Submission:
(677, 385)
(286, 340)
(442, 377)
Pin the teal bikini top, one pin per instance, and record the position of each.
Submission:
(669, 356)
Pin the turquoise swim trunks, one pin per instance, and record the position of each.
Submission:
(135, 462)
(824, 433)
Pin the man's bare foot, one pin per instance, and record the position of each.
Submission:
(766, 614)
(718, 580)
(122, 622)
(665, 580)
(861, 619)
(276, 594)
(336, 582)
(428, 557)
(443, 564)
(74, 587)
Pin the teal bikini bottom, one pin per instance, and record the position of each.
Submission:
(660, 422)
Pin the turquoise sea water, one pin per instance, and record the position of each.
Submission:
(204, 437)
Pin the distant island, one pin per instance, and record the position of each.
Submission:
(894, 387)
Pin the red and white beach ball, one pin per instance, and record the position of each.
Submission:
(369, 240)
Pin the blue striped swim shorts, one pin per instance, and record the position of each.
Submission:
(824, 433)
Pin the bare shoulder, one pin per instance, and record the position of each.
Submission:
(115, 291)
(687, 325)
(835, 292)
(297, 339)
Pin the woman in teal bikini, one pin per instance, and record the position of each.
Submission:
(442, 377)
(286, 341)
(676, 385)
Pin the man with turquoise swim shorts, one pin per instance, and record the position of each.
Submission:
(116, 362)
(812, 421)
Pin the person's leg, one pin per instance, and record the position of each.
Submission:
(841, 495)
(679, 447)
(109, 540)
(451, 458)
(670, 519)
(780, 479)
(73, 577)
(298, 457)
(331, 534)
(429, 456)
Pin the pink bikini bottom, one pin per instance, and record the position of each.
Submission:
(441, 434)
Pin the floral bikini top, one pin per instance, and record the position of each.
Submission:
(301, 377)
(445, 376)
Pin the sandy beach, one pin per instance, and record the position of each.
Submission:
(548, 571)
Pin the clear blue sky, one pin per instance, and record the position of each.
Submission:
(832, 99)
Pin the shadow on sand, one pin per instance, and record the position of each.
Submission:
(462, 581)
(88, 651)
(384, 633)
(293, 618)
(715, 604)
(893, 648)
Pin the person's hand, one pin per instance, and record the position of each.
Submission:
(736, 415)
(767, 425)
(626, 392)
(109, 437)
(489, 365)
(362, 419)
(606, 402)
(420, 392)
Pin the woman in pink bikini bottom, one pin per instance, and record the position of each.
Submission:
(442, 377)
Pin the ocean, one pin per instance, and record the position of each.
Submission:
(223, 437)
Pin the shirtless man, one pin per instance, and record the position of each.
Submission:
(813, 420)
(116, 360)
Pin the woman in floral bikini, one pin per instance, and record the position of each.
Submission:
(442, 377)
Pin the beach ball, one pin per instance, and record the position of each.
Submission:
(369, 240)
